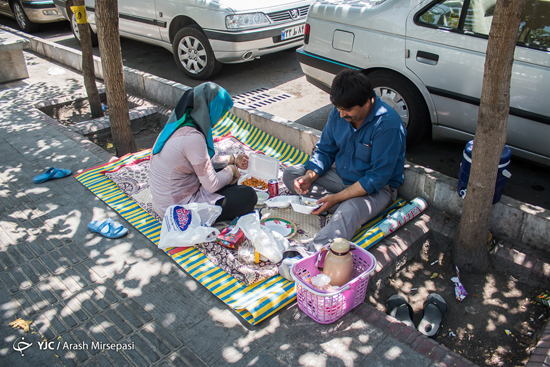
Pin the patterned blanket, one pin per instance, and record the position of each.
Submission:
(133, 180)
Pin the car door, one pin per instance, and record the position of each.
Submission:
(529, 120)
(449, 62)
(138, 18)
(447, 41)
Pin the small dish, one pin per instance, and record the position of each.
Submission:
(280, 225)
(310, 205)
(262, 197)
(281, 201)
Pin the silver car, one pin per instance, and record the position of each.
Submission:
(426, 59)
(203, 35)
(29, 13)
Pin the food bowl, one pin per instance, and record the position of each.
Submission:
(310, 205)
(281, 201)
(262, 197)
(247, 176)
(261, 168)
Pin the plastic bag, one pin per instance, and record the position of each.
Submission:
(322, 282)
(187, 225)
(266, 242)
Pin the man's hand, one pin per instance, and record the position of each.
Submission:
(236, 174)
(326, 202)
(303, 183)
(329, 201)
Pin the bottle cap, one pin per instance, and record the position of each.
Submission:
(340, 246)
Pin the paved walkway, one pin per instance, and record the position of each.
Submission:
(87, 295)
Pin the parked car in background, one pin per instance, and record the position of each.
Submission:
(426, 59)
(203, 35)
(29, 13)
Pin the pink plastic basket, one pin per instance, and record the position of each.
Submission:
(325, 307)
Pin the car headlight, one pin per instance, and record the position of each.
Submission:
(246, 20)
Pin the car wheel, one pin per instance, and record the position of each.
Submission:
(194, 55)
(404, 98)
(21, 18)
(76, 32)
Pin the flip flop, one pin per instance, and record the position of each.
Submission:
(398, 307)
(107, 228)
(51, 173)
(435, 310)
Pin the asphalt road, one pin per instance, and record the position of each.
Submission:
(280, 73)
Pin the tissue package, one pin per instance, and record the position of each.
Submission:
(229, 237)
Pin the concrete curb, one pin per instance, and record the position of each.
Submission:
(511, 219)
(142, 108)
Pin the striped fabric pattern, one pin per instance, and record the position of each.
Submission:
(255, 302)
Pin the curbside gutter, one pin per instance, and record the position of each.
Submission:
(511, 219)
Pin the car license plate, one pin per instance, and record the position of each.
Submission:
(292, 32)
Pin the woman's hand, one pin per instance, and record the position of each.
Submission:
(241, 161)
(236, 174)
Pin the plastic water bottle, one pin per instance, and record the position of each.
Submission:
(403, 215)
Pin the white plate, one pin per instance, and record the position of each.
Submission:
(281, 201)
(262, 197)
(280, 225)
(305, 209)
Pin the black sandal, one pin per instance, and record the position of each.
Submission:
(435, 310)
(398, 307)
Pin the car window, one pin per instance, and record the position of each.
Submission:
(479, 16)
(534, 30)
(445, 14)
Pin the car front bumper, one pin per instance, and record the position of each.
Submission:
(235, 47)
(42, 13)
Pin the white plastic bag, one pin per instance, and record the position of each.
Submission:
(187, 225)
(266, 242)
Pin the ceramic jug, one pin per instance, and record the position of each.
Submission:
(338, 263)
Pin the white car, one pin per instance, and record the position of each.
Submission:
(203, 35)
(426, 59)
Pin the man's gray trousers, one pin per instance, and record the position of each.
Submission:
(350, 214)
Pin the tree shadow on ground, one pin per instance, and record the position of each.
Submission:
(497, 324)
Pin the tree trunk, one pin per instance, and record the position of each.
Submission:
(470, 251)
(111, 60)
(88, 66)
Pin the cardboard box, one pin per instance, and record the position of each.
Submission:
(228, 239)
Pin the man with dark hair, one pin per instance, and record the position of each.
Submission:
(365, 140)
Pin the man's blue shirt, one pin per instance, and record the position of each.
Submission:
(374, 154)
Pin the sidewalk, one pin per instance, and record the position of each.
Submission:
(79, 288)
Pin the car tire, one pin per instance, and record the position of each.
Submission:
(76, 33)
(193, 54)
(405, 98)
(21, 18)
